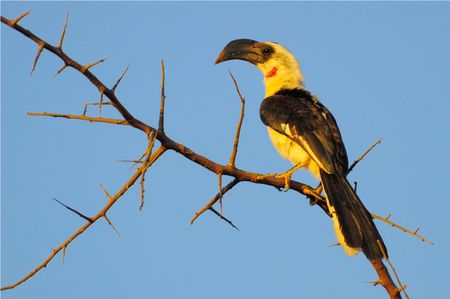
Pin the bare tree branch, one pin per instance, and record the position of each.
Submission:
(239, 125)
(167, 143)
(363, 155)
(121, 77)
(210, 203)
(414, 233)
(83, 228)
(151, 143)
(81, 117)
(385, 279)
(402, 287)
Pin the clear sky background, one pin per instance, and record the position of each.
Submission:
(383, 69)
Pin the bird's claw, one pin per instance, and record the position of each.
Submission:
(287, 180)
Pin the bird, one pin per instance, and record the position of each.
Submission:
(304, 132)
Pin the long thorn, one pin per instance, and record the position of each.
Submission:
(60, 71)
(363, 155)
(223, 218)
(88, 66)
(105, 191)
(74, 211)
(163, 99)
(38, 55)
(219, 178)
(61, 39)
(121, 77)
(112, 225)
(232, 160)
(210, 203)
(16, 20)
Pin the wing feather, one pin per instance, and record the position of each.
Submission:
(306, 121)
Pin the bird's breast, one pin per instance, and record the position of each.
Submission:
(292, 151)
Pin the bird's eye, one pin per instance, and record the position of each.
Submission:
(266, 50)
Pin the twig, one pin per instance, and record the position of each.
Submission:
(38, 55)
(363, 155)
(88, 66)
(210, 203)
(64, 253)
(60, 70)
(16, 20)
(106, 192)
(402, 287)
(82, 117)
(135, 162)
(414, 233)
(121, 77)
(223, 218)
(219, 179)
(73, 210)
(151, 143)
(239, 125)
(61, 39)
(99, 104)
(112, 225)
(163, 99)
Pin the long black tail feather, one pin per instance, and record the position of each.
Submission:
(352, 220)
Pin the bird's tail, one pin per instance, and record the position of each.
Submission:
(352, 221)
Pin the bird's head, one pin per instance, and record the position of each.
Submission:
(278, 65)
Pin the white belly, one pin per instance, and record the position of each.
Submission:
(293, 152)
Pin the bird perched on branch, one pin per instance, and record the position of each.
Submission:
(305, 132)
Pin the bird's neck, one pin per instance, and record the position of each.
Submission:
(277, 77)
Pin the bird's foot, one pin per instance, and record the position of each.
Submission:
(319, 188)
(287, 177)
(288, 174)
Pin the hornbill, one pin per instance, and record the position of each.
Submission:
(305, 132)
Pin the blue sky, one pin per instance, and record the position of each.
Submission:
(381, 68)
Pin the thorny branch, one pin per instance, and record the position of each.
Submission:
(166, 143)
(363, 155)
(239, 125)
(413, 233)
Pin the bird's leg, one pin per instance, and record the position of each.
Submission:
(317, 190)
(287, 175)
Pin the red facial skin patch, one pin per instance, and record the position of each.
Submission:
(272, 72)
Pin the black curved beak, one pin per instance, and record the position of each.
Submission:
(242, 49)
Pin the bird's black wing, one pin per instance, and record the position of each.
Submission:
(298, 115)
